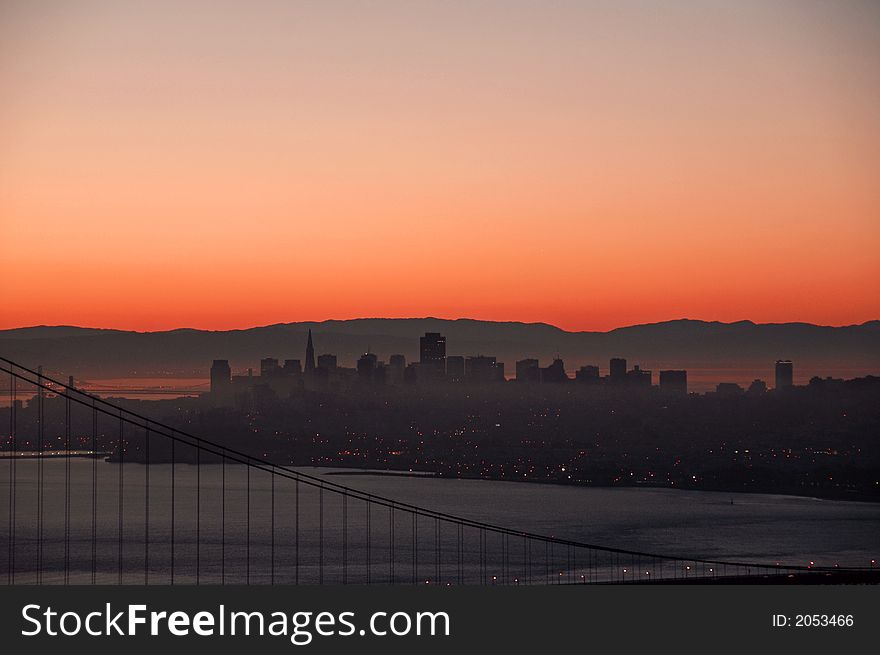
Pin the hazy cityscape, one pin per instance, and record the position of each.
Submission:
(468, 417)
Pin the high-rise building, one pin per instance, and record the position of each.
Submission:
(292, 367)
(555, 372)
(588, 373)
(221, 377)
(269, 367)
(528, 370)
(757, 388)
(395, 369)
(784, 373)
(327, 362)
(366, 366)
(674, 382)
(455, 368)
(481, 369)
(728, 389)
(639, 377)
(432, 356)
(617, 369)
(310, 355)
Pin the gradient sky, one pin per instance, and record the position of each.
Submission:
(588, 164)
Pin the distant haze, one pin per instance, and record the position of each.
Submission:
(711, 351)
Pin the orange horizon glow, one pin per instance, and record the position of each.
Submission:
(224, 165)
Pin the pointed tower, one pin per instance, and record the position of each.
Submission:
(310, 356)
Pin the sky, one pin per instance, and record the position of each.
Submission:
(588, 164)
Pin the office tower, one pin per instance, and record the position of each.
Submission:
(292, 367)
(366, 366)
(728, 389)
(327, 362)
(757, 388)
(269, 367)
(481, 369)
(455, 368)
(555, 372)
(617, 369)
(784, 374)
(674, 382)
(310, 355)
(527, 370)
(588, 373)
(221, 377)
(432, 356)
(638, 377)
(395, 369)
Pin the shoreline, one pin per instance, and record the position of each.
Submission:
(847, 496)
(836, 495)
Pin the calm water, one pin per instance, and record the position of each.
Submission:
(234, 548)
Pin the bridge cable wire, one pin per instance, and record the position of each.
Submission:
(45, 384)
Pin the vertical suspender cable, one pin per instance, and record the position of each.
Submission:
(172, 505)
(66, 489)
(10, 575)
(40, 429)
(147, 503)
(94, 491)
(119, 527)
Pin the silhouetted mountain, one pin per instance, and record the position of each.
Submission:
(689, 344)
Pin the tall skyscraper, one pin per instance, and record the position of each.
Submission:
(555, 372)
(269, 367)
(366, 366)
(527, 370)
(455, 368)
(396, 367)
(327, 362)
(481, 369)
(784, 373)
(588, 373)
(310, 356)
(638, 377)
(675, 382)
(432, 356)
(617, 369)
(221, 377)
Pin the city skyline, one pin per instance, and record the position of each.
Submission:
(434, 367)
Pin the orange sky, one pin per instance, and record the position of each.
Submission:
(591, 165)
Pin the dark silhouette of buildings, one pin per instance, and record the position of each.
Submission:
(396, 369)
(784, 374)
(269, 367)
(757, 388)
(482, 369)
(617, 370)
(527, 370)
(455, 368)
(327, 362)
(639, 377)
(674, 382)
(432, 356)
(221, 381)
(727, 389)
(435, 369)
(366, 367)
(310, 355)
(588, 374)
(554, 373)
